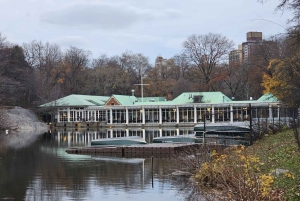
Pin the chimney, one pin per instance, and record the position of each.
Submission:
(132, 91)
(169, 96)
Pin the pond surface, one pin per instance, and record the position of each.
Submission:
(36, 167)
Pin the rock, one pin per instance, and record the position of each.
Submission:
(21, 119)
(181, 173)
(279, 171)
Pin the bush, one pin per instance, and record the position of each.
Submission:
(237, 175)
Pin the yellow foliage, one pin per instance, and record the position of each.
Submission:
(266, 181)
(239, 172)
(274, 80)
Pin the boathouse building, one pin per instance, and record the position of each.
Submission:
(187, 109)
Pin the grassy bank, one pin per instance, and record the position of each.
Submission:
(281, 151)
(249, 173)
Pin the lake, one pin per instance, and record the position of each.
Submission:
(36, 167)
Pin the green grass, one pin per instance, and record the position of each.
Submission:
(280, 151)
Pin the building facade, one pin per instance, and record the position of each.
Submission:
(188, 109)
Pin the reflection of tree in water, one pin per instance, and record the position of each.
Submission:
(42, 171)
(17, 169)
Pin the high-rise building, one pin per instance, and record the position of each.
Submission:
(236, 56)
(253, 39)
(246, 49)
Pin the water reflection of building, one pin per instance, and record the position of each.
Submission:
(84, 138)
(187, 109)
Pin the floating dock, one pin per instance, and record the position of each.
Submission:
(155, 149)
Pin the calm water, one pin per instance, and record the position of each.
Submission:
(36, 167)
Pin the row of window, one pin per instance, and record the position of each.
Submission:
(167, 115)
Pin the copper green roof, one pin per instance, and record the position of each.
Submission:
(78, 100)
(151, 99)
(125, 100)
(268, 97)
(207, 97)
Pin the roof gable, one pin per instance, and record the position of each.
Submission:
(123, 99)
(268, 97)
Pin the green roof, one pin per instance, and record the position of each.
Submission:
(207, 97)
(125, 100)
(268, 97)
(78, 100)
(152, 99)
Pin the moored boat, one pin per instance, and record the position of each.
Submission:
(119, 141)
(235, 128)
(191, 138)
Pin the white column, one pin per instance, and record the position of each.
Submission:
(195, 114)
(231, 114)
(88, 115)
(111, 133)
(58, 116)
(160, 116)
(143, 115)
(160, 132)
(213, 114)
(111, 116)
(177, 115)
(143, 133)
(127, 132)
(177, 131)
(68, 114)
(127, 116)
(106, 116)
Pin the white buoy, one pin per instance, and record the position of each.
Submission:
(6, 132)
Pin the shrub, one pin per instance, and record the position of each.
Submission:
(237, 175)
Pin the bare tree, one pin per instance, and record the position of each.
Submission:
(2, 40)
(182, 62)
(73, 66)
(206, 52)
(45, 59)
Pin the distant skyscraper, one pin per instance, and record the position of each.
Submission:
(246, 49)
(253, 39)
(236, 56)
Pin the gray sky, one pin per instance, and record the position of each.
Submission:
(150, 27)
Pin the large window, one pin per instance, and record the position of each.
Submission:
(63, 116)
(186, 114)
(222, 114)
(119, 116)
(135, 115)
(101, 115)
(151, 115)
(240, 114)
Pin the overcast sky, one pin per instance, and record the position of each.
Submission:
(150, 27)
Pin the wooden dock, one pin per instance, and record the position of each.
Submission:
(148, 149)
